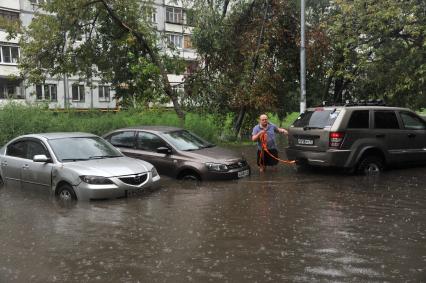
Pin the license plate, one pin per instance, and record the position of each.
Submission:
(305, 141)
(243, 173)
(137, 192)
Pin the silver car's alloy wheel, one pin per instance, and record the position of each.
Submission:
(65, 195)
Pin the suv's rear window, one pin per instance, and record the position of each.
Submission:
(317, 119)
(359, 119)
(385, 120)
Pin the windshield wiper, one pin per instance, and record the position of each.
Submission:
(103, 156)
(208, 146)
(311, 128)
(74, 159)
(191, 149)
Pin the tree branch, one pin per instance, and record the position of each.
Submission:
(154, 57)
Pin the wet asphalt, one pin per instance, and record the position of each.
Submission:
(285, 225)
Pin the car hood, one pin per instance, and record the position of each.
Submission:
(109, 167)
(214, 154)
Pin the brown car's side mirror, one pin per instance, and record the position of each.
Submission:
(163, 149)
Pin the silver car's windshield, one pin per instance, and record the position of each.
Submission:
(184, 140)
(82, 148)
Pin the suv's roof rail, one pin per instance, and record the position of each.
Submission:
(370, 102)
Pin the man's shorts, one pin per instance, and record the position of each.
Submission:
(267, 159)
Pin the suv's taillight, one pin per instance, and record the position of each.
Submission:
(336, 139)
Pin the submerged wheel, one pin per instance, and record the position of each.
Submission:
(66, 193)
(370, 165)
(189, 176)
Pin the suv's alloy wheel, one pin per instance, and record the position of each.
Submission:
(370, 165)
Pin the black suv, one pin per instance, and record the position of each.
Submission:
(360, 138)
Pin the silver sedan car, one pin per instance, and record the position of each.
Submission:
(74, 166)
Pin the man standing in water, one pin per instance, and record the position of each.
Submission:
(264, 127)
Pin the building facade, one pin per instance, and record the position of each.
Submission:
(169, 18)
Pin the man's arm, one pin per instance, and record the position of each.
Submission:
(256, 136)
(256, 133)
(281, 130)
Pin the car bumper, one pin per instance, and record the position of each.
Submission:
(332, 158)
(119, 189)
(229, 175)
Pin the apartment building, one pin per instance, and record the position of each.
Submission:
(169, 18)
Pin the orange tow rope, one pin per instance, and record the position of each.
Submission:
(263, 141)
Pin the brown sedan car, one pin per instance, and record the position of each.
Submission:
(178, 153)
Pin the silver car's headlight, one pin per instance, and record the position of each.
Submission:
(218, 167)
(154, 172)
(95, 180)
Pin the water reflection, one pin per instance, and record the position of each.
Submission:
(283, 226)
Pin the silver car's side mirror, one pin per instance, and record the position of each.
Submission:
(41, 158)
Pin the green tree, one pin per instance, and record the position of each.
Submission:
(113, 40)
(250, 55)
(377, 50)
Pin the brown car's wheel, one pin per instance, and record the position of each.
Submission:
(189, 175)
(66, 193)
(370, 165)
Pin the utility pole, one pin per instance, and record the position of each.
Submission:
(66, 90)
(302, 58)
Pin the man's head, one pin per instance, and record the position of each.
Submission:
(263, 120)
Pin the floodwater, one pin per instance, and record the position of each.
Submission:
(282, 226)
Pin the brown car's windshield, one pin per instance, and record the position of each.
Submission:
(184, 140)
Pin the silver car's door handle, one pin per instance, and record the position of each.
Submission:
(25, 166)
(4, 163)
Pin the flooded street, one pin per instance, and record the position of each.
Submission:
(283, 226)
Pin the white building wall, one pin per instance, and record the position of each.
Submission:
(27, 11)
(10, 4)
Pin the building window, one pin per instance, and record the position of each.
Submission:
(178, 89)
(153, 15)
(175, 40)
(9, 16)
(104, 93)
(187, 43)
(150, 14)
(46, 92)
(9, 54)
(38, 2)
(189, 17)
(175, 15)
(9, 90)
(78, 93)
(191, 67)
(39, 92)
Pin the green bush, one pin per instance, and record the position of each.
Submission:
(17, 119)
